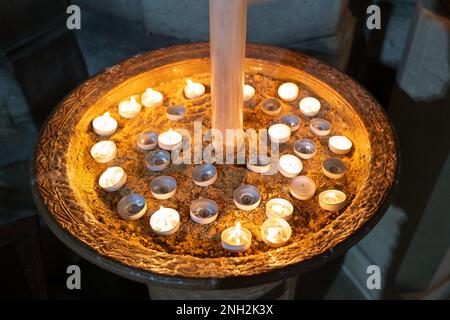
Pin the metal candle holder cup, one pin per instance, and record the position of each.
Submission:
(302, 188)
(292, 121)
(305, 148)
(132, 206)
(163, 187)
(204, 211)
(261, 165)
(271, 107)
(332, 200)
(204, 175)
(176, 113)
(246, 197)
(334, 168)
(157, 160)
(147, 140)
(320, 127)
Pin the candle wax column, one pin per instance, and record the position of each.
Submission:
(228, 20)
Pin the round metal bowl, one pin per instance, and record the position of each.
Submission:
(67, 209)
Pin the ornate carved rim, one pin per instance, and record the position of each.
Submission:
(65, 217)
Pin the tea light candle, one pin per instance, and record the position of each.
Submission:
(276, 232)
(309, 106)
(339, 144)
(151, 98)
(104, 151)
(246, 197)
(320, 127)
(236, 239)
(288, 91)
(290, 166)
(129, 108)
(163, 187)
(279, 208)
(334, 168)
(170, 140)
(104, 125)
(165, 221)
(292, 121)
(260, 165)
(332, 200)
(249, 92)
(204, 211)
(204, 175)
(271, 107)
(132, 207)
(157, 160)
(302, 188)
(280, 133)
(193, 90)
(147, 140)
(305, 148)
(176, 113)
(112, 179)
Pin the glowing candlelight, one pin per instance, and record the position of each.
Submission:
(236, 238)
(280, 133)
(332, 200)
(170, 140)
(129, 108)
(334, 168)
(104, 151)
(305, 148)
(246, 197)
(309, 106)
(112, 179)
(292, 121)
(193, 90)
(104, 125)
(165, 221)
(339, 144)
(147, 140)
(276, 232)
(320, 127)
(290, 166)
(271, 107)
(249, 92)
(151, 98)
(204, 211)
(288, 91)
(279, 208)
(302, 188)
